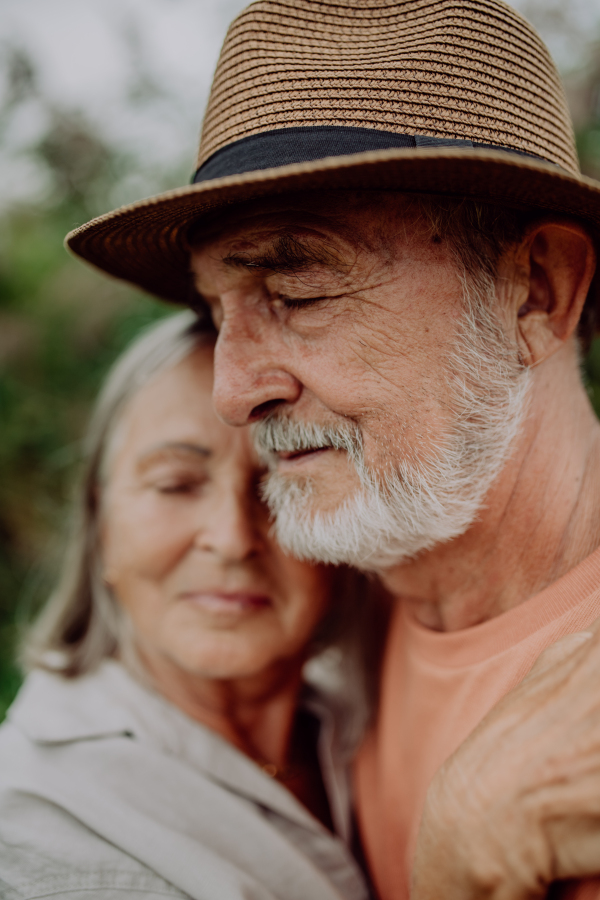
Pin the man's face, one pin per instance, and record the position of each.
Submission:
(342, 311)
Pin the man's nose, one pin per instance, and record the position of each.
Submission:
(250, 376)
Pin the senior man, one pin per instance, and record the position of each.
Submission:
(390, 228)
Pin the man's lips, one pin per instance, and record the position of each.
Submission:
(229, 603)
(288, 456)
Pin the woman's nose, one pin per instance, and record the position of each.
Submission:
(248, 374)
(232, 531)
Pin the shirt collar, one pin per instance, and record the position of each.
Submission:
(109, 702)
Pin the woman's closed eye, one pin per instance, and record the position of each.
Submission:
(185, 482)
(180, 485)
(179, 469)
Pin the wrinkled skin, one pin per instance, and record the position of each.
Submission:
(351, 336)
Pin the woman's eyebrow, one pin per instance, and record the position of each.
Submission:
(170, 450)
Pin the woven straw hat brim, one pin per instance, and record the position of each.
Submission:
(146, 243)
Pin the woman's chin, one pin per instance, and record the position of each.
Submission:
(227, 662)
(218, 671)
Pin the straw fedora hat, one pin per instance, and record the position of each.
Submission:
(453, 97)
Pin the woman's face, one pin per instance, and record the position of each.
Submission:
(185, 539)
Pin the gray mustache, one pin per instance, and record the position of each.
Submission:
(279, 434)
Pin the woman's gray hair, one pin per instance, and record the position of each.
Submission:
(81, 624)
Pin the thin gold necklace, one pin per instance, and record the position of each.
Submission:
(279, 773)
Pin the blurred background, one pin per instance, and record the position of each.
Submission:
(100, 104)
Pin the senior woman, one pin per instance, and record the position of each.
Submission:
(166, 742)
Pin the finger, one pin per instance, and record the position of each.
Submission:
(593, 627)
(558, 652)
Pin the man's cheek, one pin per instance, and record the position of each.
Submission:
(313, 326)
(404, 418)
(386, 375)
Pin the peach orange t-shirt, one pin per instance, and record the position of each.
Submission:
(435, 689)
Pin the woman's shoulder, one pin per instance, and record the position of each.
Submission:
(70, 865)
(51, 707)
(45, 849)
(43, 846)
(142, 790)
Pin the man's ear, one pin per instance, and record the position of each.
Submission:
(556, 260)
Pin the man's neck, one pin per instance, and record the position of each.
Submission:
(541, 517)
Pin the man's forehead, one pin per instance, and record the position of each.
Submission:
(265, 221)
(349, 216)
(282, 244)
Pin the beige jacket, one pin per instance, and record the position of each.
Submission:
(108, 791)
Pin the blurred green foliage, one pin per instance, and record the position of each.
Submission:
(61, 326)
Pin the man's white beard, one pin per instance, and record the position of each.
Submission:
(414, 505)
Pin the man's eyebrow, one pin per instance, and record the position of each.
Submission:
(288, 254)
(172, 449)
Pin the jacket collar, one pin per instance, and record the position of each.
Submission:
(109, 702)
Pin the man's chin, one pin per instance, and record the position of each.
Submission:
(299, 527)
(307, 525)
(308, 491)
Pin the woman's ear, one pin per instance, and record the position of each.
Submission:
(557, 260)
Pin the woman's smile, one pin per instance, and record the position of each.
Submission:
(228, 604)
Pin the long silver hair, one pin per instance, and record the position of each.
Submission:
(81, 623)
